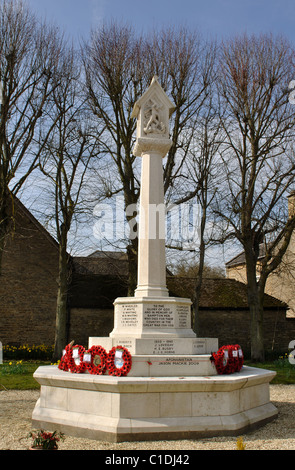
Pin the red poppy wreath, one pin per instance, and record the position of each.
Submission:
(66, 357)
(98, 360)
(63, 363)
(76, 364)
(240, 359)
(228, 359)
(119, 361)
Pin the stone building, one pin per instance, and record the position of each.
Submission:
(97, 280)
(28, 285)
(280, 283)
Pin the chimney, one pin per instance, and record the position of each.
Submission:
(291, 204)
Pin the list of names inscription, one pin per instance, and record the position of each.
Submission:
(129, 315)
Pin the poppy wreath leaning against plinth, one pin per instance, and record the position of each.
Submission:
(76, 364)
(226, 359)
(63, 363)
(119, 366)
(98, 361)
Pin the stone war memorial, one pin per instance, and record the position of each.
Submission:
(152, 378)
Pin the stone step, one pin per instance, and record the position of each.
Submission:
(162, 345)
(172, 366)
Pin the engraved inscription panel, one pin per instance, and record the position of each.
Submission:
(164, 346)
(158, 316)
(166, 316)
(199, 347)
(126, 343)
(183, 315)
(179, 361)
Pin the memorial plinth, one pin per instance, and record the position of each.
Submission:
(172, 390)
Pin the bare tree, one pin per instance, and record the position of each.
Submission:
(119, 67)
(114, 82)
(28, 56)
(65, 161)
(203, 170)
(258, 159)
(184, 63)
(193, 155)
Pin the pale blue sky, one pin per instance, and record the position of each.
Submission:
(212, 17)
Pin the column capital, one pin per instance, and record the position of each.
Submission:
(150, 145)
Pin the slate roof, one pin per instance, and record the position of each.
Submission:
(102, 263)
(220, 293)
(240, 258)
(19, 206)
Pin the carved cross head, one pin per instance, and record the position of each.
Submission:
(153, 111)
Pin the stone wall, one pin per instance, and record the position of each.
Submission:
(229, 326)
(86, 322)
(280, 283)
(233, 326)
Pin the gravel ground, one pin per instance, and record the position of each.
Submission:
(15, 423)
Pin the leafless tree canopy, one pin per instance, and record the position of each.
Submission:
(258, 123)
(119, 66)
(257, 156)
(29, 53)
(65, 160)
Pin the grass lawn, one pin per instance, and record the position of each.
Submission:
(285, 371)
(18, 375)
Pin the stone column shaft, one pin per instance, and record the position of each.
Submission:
(151, 248)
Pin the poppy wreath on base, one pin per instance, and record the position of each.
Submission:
(228, 359)
(240, 357)
(119, 361)
(66, 357)
(98, 360)
(76, 364)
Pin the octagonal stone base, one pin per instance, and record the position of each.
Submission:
(120, 409)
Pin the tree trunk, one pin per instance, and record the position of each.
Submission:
(256, 314)
(61, 333)
(6, 214)
(2, 244)
(255, 302)
(132, 266)
(196, 302)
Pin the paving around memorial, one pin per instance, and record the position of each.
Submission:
(16, 408)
